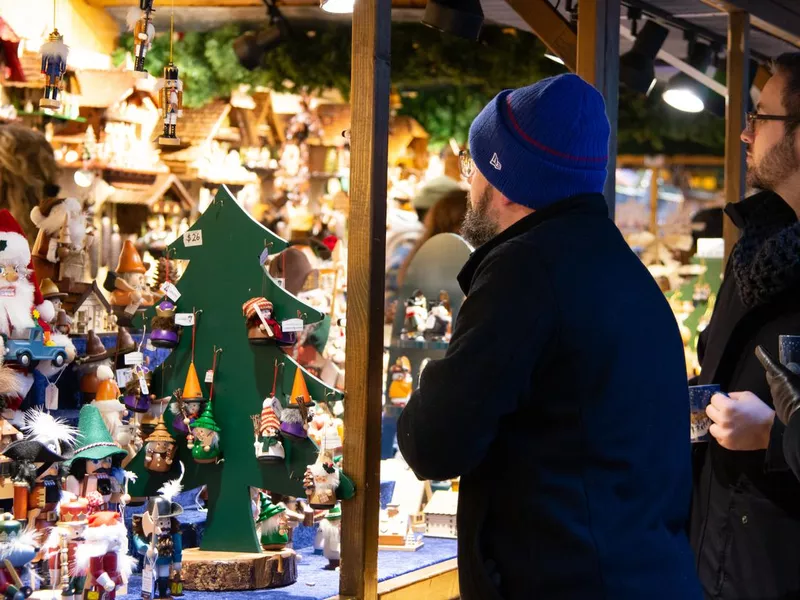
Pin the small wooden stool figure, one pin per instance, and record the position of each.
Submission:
(171, 101)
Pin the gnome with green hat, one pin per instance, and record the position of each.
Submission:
(203, 440)
(94, 470)
(273, 526)
(331, 527)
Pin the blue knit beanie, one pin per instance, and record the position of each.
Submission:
(543, 143)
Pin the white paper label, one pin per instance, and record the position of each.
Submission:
(209, 376)
(711, 248)
(184, 319)
(51, 397)
(134, 358)
(193, 238)
(292, 325)
(143, 385)
(262, 260)
(171, 291)
(264, 321)
(280, 281)
(124, 376)
(131, 309)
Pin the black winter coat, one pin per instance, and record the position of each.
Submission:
(745, 525)
(562, 403)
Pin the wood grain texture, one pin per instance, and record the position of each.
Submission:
(366, 257)
(550, 27)
(437, 582)
(738, 92)
(229, 571)
(773, 18)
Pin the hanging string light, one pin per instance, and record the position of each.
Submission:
(54, 65)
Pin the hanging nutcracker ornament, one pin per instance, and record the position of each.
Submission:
(143, 33)
(204, 435)
(171, 102)
(54, 65)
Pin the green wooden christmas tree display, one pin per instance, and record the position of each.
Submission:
(224, 249)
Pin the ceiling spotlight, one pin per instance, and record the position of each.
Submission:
(637, 67)
(337, 6)
(554, 57)
(463, 18)
(251, 46)
(684, 92)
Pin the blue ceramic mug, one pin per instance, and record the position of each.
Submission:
(789, 346)
(699, 398)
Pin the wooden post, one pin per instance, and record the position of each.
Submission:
(598, 63)
(738, 92)
(369, 139)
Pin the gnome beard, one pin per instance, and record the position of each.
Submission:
(16, 302)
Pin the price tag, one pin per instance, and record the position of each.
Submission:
(711, 248)
(134, 358)
(292, 325)
(124, 376)
(260, 314)
(193, 238)
(171, 291)
(262, 260)
(209, 376)
(184, 319)
(143, 385)
(131, 309)
(51, 397)
(280, 281)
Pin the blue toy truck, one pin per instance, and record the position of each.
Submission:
(26, 352)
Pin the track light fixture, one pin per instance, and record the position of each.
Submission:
(463, 18)
(637, 67)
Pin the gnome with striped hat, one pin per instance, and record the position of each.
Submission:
(268, 444)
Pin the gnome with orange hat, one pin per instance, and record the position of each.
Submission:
(190, 403)
(107, 402)
(21, 301)
(128, 284)
(103, 555)
(296, 416)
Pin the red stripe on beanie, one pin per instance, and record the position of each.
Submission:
(543, 147)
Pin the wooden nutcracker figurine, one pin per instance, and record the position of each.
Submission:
(143, 33)
(18, 547)
(103, 555)
(61, 546)
(171, 101)
(160, 541)
(54, 64)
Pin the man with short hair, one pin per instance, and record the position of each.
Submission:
(564, 386)
(746, 509)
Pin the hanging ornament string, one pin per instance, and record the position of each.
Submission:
(274, 377)
(217, 352)
(171, 30)
(194, 331)
(55, 3)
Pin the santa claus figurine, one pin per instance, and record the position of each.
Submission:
(22, 305)
(321, 481)
(59, 253)
(107, 402)
(128, 284)
(103, 555)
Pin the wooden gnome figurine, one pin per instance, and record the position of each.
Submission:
(190, 403)
(61, 547)
(164, 331)
(299, 412)
(103, 555)
(94, 469)
(321, 481)
(161, 543)
(416, 316)
(143, 33)
(62, 233)
(268, 443)
(160, 449)
(171, 103)
(402, 381)
(18, 548)
(128, 284)
(262, 327)
(331, 528)
(35, 467)
(62, 322)
(88, 366)
(204, 438)
(54, 64)
(107, 402)
(273, 527)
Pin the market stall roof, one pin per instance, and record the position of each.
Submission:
(104, 88)
(149, 195)
(200, 125)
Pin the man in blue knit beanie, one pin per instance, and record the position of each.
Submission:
(562, 401)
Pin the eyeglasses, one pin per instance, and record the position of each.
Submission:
(465, 164)
(753, 117)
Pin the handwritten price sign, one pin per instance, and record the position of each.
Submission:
(193, 238)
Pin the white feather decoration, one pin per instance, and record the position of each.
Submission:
(45, 428)
(173, 487)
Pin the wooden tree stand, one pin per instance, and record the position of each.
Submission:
(232, 571)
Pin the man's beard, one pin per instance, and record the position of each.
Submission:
(776, 167)
(480, 223)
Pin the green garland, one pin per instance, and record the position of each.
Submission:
(445, 80)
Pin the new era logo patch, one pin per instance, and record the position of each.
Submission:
(495, 162)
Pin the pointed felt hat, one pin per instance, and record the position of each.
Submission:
(334, 514)
(125, 343)
(300, 390)
(191, 389)
(206, 420)
(94, 440)
(160, 433)
(95, 351)
(129, 260)
(50, 289)
(268, 509)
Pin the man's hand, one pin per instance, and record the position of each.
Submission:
(741, 421)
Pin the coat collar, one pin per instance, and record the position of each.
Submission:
(591, 204)
(759, 209)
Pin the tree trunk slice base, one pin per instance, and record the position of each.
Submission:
(233, 571)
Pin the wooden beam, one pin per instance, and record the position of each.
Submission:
(773, 18)
(598, 63)
(550, 27)
(437, 582)
(738, 75)
(369, 142)
(642, 161)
